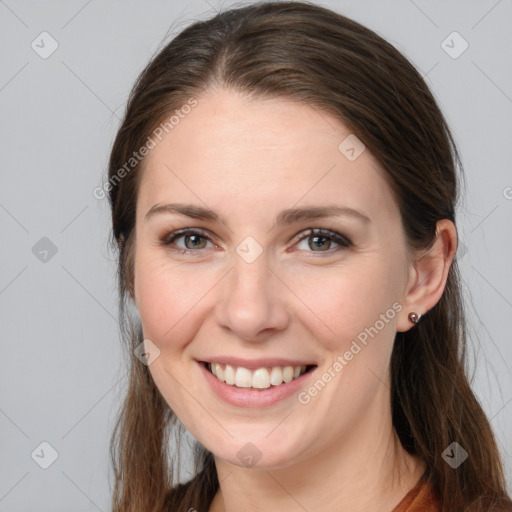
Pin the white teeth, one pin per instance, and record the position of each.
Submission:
(229, 375)
(288, 373)
(219, 372)
(243, 378)
(261, 378)
(276, 376)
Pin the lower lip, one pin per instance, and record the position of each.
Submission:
(248, 397)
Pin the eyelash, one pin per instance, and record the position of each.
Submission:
(168, 239)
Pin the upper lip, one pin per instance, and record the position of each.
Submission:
(253, 364)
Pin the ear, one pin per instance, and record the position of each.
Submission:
(428, 274)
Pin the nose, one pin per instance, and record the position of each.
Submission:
(251, 303)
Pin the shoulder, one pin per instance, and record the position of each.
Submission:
(420, 498)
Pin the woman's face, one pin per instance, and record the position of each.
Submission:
(256, 289)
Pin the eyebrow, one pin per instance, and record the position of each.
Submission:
(288, 216)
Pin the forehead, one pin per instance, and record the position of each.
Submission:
(242, 156)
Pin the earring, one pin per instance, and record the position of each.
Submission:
(414, 318)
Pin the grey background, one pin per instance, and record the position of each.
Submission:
(61, 375)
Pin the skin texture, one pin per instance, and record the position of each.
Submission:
(248, 160)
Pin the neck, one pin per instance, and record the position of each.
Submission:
(367, 470)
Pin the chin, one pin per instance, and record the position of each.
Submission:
(257, 452)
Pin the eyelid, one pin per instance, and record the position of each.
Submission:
(169, 238)
(338, 238)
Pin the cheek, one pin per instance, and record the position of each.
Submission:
(355, 311)
(345, 303)
(166, 298)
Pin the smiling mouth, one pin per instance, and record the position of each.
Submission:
(260, 378)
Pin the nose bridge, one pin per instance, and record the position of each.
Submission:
(251, 302)
(252, 275)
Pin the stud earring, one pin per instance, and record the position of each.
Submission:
(414, 318)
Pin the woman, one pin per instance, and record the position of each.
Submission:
(283, 190)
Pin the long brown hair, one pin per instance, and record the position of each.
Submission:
(308, 53)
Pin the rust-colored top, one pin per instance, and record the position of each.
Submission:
(419, 499)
